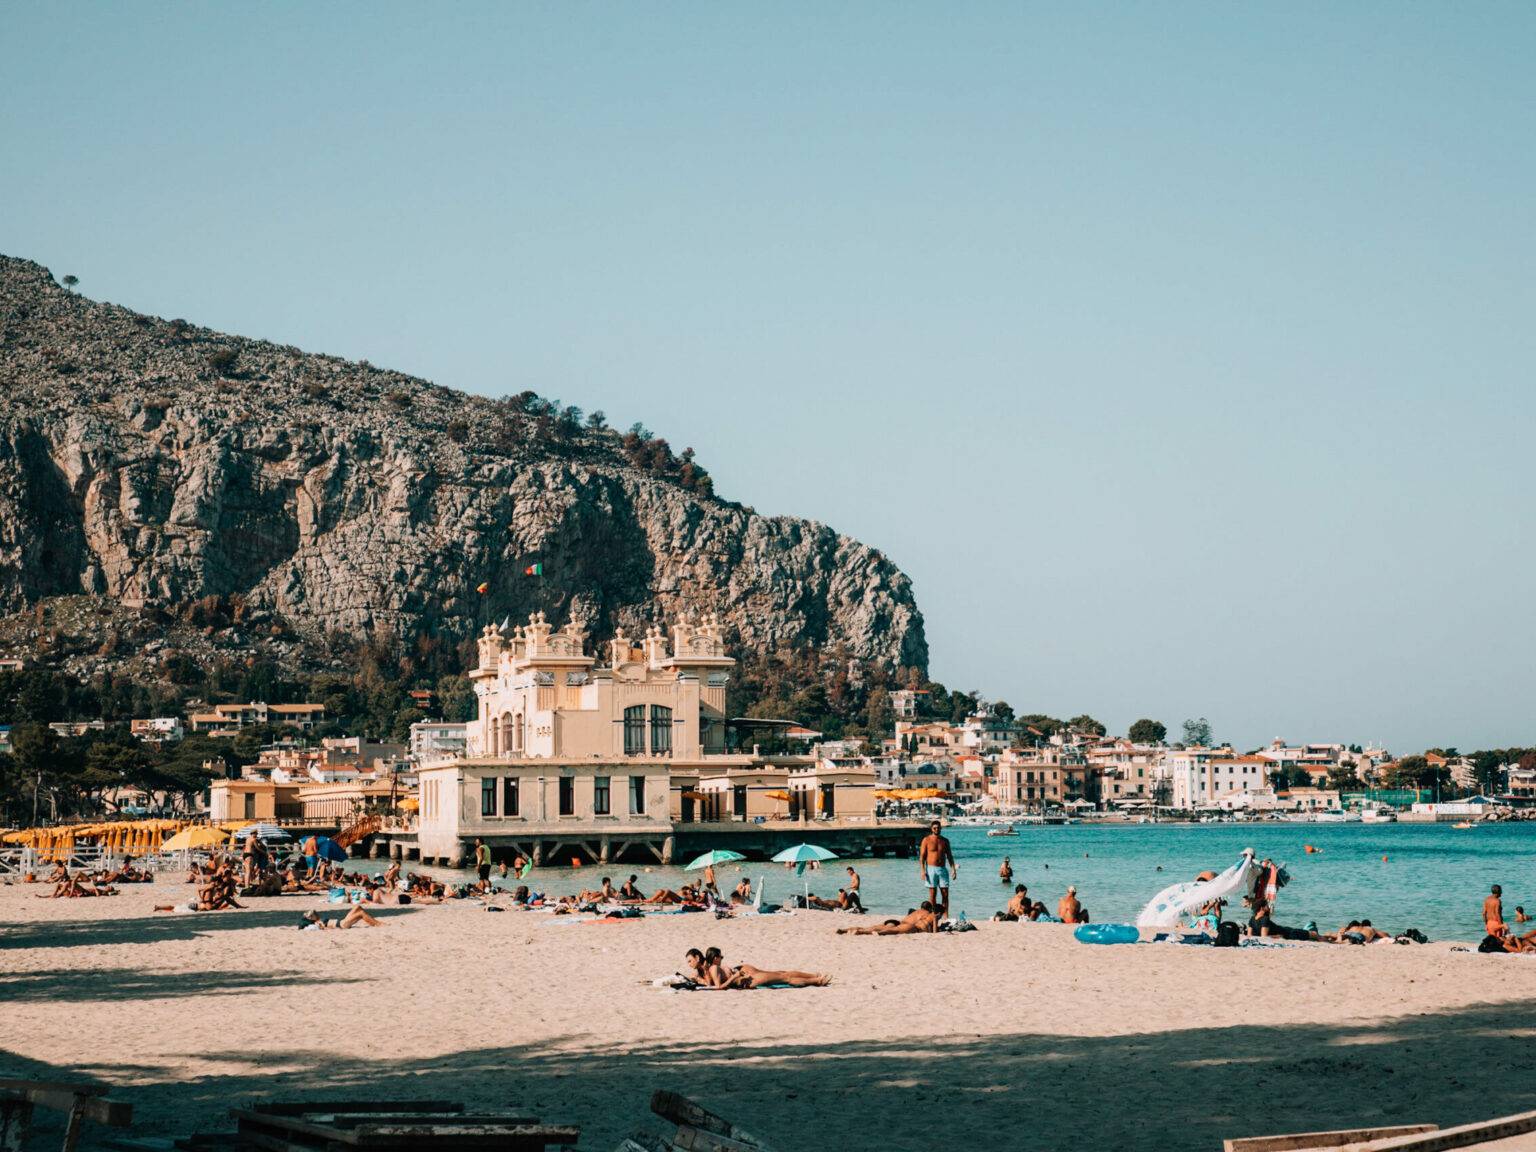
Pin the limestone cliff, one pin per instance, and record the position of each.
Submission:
(151, 463)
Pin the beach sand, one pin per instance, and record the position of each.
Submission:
(1013, 1036)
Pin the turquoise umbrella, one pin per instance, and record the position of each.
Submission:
(801, 855)
(714, 856)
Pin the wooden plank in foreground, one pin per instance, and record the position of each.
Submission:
(1461, 1136)
(1339, 1138)
(74, 1088)
(301, 1107)
(78, 1101)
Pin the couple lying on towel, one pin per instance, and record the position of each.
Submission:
(709, 971)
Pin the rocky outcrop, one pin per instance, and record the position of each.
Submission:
(153, 463)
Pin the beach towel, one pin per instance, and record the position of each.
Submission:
(1169, 906)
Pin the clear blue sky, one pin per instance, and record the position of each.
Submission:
(1181, 353)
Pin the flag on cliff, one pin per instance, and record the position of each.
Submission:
(534, 570)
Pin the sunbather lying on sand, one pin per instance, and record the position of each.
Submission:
(709, 970)
(921, 919)
(75, 886)
(357, 915)
(1358, 931)
(606, 894)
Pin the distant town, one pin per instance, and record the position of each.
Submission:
(602, 754)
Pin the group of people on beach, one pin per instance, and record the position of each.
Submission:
(1499, 936)
(100, 882)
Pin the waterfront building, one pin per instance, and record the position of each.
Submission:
(1030, 778)
(1200, 776)
(437, 739)
(986, 733)
(572, 759)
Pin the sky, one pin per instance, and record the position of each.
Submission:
(1180, 353)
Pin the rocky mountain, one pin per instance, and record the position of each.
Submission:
(148, 464)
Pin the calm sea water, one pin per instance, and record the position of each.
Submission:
(1434, 876)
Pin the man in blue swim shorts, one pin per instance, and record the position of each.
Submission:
(937, 861)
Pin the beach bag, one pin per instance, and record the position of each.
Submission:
(1413, 935)
(1491, 944)
(1228, 934)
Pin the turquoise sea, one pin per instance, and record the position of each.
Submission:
(1433, 877)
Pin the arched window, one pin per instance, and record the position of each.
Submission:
(661, 730)
(634, 730)
(504, 743)
(517, 733)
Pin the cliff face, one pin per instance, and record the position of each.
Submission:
(154, 463)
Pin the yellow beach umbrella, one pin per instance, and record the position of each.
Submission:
(196, 837)
(409, 804)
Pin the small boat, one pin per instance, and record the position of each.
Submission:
(1006, 830)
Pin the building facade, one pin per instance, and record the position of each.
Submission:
(569, 758)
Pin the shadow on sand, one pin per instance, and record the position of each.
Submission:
(178, 925)
(1184, 1089)
(94, 984)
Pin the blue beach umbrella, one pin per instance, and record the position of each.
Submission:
(801, 855)
(714, 856)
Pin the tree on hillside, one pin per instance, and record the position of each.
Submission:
(1147, 732)
(35, 749)
(69, 282)
(1037, 727)
(1086, 725)
(1343, 777)
(1197, 733)
(1488, 770)
(1289, 776)
(1411, 772)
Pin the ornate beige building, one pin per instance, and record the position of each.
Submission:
(541, 695)
(569, 759)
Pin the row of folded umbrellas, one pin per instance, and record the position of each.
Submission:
(139, 837)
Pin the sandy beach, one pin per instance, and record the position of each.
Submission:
(1011, 1036)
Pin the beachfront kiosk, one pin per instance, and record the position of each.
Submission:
(569, 760)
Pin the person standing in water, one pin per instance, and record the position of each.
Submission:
(1493, 912)
(936, 861)
(1005, 873)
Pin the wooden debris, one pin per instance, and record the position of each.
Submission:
(80, 1102)
(1405, 1138)
(698, 1129)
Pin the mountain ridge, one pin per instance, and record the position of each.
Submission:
(153, 463)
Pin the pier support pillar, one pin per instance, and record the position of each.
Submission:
(377, 849)
(396, 850)
(604, 847)
(667, 847)
(538, 853)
